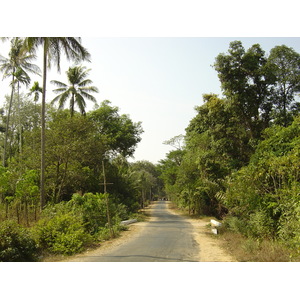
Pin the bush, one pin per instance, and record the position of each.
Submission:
(236, 225)
(92, 209)
(16, 243)
(62, 234)
(261, 225)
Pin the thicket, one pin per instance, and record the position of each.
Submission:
(64, 228)
(265, 195)
(16, 243)
(240, 160)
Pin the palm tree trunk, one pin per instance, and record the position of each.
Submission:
(72, 104)
(7, 123)
(20, 125)
(43, 120)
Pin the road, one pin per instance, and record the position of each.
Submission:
(165, 238)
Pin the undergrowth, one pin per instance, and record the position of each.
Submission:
(256, 250)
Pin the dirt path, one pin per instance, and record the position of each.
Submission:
(210, 247)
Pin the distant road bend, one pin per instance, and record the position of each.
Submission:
(165, 238)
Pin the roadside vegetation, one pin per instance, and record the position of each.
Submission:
(66, 182)
(239, 160)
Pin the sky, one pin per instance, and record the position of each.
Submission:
(157, 81)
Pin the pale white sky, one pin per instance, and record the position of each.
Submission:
(157, 81)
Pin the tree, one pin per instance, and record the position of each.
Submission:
(35, 90)
(177, 142)
(18, 64)
(20, 77)
(74, 156)
(246, 80)
(215, 145)
(79, 88)
(52, 48)
(285, 65)
(120, 134)
(146, 177)
(169, 169)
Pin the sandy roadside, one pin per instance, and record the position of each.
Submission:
(210, 247)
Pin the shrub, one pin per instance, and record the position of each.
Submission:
(93, 210)
(16, 243)
(261, 225)
(62, 234)
(236, 225)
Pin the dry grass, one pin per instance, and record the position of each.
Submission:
(250, 250)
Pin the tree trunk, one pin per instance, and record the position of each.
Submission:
(62, 182)
(43, 120)
(6, 209)
(26, 213)
(7, 122)
(19, 125)
(18, 213)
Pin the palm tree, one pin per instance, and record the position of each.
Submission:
(78, 89)
(52, 48)
(35, 90)
(17, 63)
(21, 77)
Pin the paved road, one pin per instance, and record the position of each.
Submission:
(166, 237)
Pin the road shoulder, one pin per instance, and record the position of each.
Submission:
(211, 248)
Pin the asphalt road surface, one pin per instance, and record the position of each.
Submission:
(165, 238)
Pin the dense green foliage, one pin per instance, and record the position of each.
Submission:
(266, 192)
(65, 178)
(16, 243)
(62, 233)
(241, 159)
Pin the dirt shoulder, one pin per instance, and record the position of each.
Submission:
(211, 248)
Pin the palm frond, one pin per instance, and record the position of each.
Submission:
(74, 49)
(85, 82)
(60, 90)
(89, 89)
(88, 96)
(80, 103)
(59, 83)
(61, 99)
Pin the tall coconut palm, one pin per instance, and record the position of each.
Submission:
(19, 62)
(52, 50)
(21, 77)
(78, 89)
